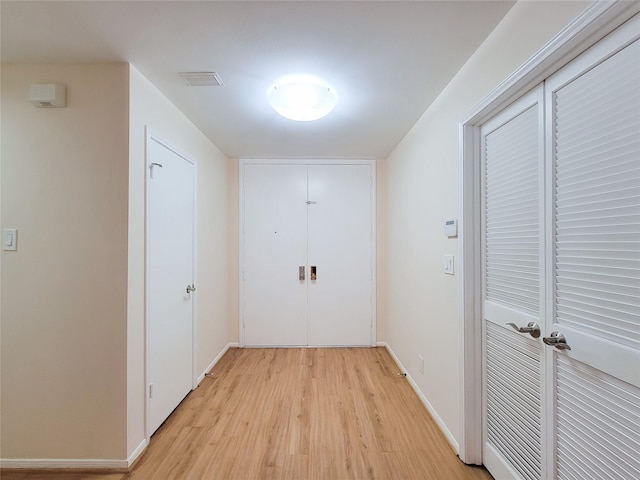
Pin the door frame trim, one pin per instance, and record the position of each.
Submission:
(315, 161)
(585, 30)
(152, 135)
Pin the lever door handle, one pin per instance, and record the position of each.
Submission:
(191, 288)
(532, 329)
(557, 340)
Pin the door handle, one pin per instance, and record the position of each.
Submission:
(191, 288)
(314, 274)
(301, 273)
(557, 340)
(532, 329)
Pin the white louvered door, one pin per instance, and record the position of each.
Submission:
(593, 127)
(513, 249)
(561, 247)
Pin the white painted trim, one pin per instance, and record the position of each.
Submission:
(241, 253)
(216, 360)
(150, 135)
(194, 281)
(593, 24)
(313, 161)
(432, 411)
(374, 251)
(65, 464)
(137, 452)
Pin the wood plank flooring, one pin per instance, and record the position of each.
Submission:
(335, 413)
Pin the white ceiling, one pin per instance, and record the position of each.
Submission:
(387, 60)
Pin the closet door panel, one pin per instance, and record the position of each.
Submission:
(512, 246)
(594, 155)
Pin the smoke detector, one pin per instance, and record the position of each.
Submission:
(202, 79)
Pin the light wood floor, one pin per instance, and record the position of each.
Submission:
(298, 414)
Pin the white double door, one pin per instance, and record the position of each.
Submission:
(307, 254)
(170, 263)
(561, 257)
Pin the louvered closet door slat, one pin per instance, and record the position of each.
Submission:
(595, 166)
(512, 212)
(609, 184)
(595, 409)
(513, 399)
(512, 151)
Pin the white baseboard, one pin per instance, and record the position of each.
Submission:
(447, 433)
(137, 452)
(215, 360)
(64, 464)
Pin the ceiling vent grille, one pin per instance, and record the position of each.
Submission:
(202, 79)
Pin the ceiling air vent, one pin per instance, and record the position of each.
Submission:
(202, 79)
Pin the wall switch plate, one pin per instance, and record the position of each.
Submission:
(10, 239)
(448, 264)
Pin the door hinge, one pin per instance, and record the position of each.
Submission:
(151, 390)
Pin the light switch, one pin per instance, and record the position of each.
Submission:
(448, 264)
(10, 239)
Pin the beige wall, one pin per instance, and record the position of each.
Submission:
(214, 322)
(64, 292)
(422, 302)
(73, 344)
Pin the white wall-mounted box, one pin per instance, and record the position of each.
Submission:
(48, 95)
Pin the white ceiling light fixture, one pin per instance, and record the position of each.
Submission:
(302, 98)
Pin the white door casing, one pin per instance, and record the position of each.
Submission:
(593, 24)
(307, 213)
(170, 269)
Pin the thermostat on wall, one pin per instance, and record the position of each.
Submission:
(451, 227)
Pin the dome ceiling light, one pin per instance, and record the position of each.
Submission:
(302, 98)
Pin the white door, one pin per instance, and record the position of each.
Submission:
(171, 227)
(275, 235)
(513, 253)
(593, 282)
(565, 405)
(340, 240)
(307, 257)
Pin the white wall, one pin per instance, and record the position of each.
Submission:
(422, 192)
(64, 292)
(216, 326)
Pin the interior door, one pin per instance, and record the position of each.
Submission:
(340, 242)
(594, 267)
(171, 226)
(275, 248)
(513, 256)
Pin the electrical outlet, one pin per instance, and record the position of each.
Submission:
(448, 264)
(421, 364)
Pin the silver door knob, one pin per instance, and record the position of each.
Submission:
(191, 288)
(557, 340)
(532, 329)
